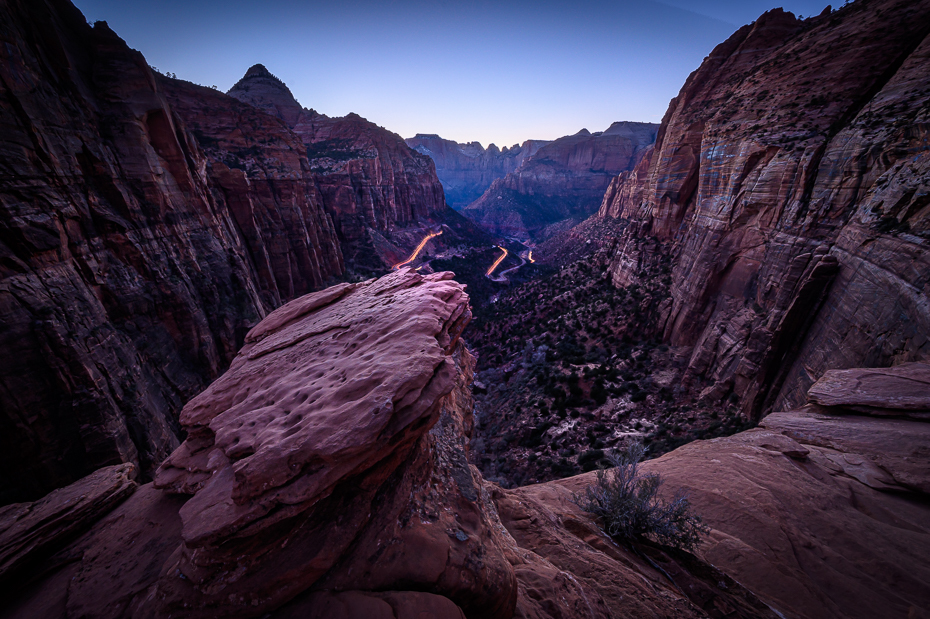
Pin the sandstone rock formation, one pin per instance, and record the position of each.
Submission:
(30, 532)
(565, 179)
(260, 175)
(325, 475)
(789, 180)
(125, 285)
(368, 176)
(147, 224)
(281, 451)
(903, 390)
(311, 454)
(820, 512)
(467, 170)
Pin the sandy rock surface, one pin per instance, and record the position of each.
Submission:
(30, 531)
(899, 390)
(820, 515)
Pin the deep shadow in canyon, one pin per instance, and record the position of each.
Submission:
(256, 366)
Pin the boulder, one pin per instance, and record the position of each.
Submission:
(899, 390)
(30, 532)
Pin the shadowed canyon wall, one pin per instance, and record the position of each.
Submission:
(260, 174)
(565, 179)
(146, 225)
(789, 179)
(467, 170)
(125, 287)
(325, 475)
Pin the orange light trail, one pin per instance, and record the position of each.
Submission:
(417, 251)
(498, 261)
(529, 256)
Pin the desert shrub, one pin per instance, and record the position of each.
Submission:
(626, 505)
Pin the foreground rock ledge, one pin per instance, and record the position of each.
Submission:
(325, 475)
(822, 512)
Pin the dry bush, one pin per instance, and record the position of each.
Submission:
(627, 506)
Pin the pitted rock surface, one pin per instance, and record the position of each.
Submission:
(356, 501)
(284, 430)
(130, 268)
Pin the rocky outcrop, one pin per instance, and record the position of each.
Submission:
(565, 179)
(821, 513)
(312, 469)
(274, 464)
(903, 390)
(367, 176)
(789, 181)
(125, 285)
(325, 475)
(260, 175)
(147, 224)
(571, 568)
(260, 89)
(467, 170)
(30, 532)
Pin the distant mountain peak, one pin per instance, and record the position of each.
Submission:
(258, 70)
(264, 90)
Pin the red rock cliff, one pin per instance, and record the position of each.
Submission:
(367, 176)
(131, 266)
(261, 175)
(789, 178)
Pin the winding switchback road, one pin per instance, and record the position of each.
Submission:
(416, 251)
(503, 274)
(524, 256)
(497, 263)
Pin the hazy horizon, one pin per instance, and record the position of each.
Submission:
(482, 72)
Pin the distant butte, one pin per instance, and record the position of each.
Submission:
(217, 399)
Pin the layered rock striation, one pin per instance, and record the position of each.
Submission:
(300, 466)
(467, 170)
(260, 175)
(565, 179)
(148, 224)
(821, 512)
(789, 180)
(126, 281)
(367, 176)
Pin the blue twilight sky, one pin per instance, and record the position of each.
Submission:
(484, 70)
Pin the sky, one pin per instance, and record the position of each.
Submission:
(491, 71)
